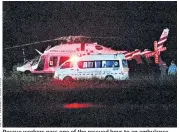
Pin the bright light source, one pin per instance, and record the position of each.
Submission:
(74, 58)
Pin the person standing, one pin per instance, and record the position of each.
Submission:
(172, 70)
(163, 69)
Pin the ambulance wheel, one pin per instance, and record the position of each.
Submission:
(109, 78)
(68, 78)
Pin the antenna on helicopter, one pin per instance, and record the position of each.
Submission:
(38, 52)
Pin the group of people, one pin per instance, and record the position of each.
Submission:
(160, 70)
(172, 69)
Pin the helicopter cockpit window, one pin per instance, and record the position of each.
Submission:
(41, 64)
(35, 60)
(53, 61)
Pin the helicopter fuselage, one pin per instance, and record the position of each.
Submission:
(55, 56)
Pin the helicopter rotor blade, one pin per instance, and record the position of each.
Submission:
(38, 42)
(34, 43)
(58, 39)
(105, 37)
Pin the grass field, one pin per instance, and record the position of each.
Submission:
(142, 101)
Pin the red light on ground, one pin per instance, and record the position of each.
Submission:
(77, 105)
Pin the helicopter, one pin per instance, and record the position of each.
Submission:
(53, 57)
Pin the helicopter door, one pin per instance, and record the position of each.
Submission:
(41, 64)
(63, 59)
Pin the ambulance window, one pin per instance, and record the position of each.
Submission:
(124, 63)
(103, 64)
(116, 63)
(80, 64)
(90, 64)
(86, 64)
(66, 65)
(98, 64)
(53, 61)
(110, 63)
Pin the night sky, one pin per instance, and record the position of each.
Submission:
(137, 24)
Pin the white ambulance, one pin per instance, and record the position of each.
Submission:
(109, 67)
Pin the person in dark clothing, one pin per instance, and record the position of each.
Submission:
(163, 69)
(132, 67)
(154, 70)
